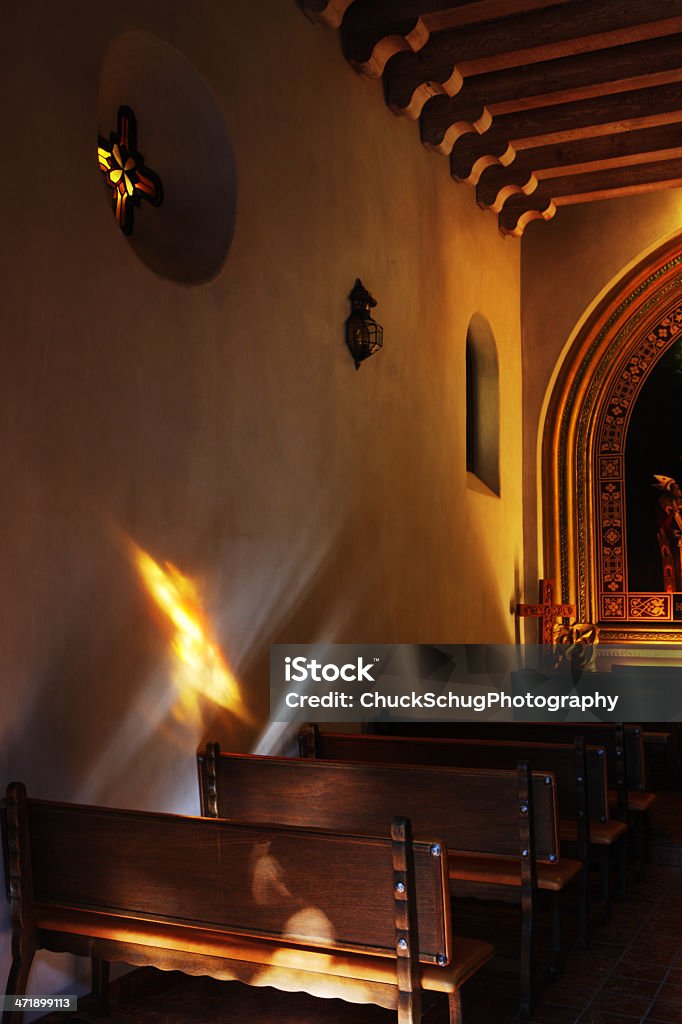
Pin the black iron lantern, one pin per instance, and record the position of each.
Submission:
(364, 336)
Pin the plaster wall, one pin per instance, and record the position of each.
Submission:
(566, 265)
(223, 426)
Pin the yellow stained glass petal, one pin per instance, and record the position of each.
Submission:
(128, 184)
(117, 155)
(115, 176)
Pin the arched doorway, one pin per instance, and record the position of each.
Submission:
(586, 467)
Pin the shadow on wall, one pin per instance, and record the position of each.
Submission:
(312, 620)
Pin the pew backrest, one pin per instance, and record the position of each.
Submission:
(581, 775)
(623, 743)
(487, 811)
(305, 887)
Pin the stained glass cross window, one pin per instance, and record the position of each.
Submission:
(125, 173)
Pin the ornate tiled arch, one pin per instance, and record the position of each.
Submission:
(584, 449)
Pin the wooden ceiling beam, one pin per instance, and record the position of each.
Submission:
(532, 166)
(373, 31)
(325, 12)
(497, 184)
(565, 122)
(540, 103)
(519, 210)
(599, 73)
(559, 31)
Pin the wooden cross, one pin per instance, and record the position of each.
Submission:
(546, 611)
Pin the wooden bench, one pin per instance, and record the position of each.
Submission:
(580, 771)
(500, 827)
(360, 918)
(624, 745)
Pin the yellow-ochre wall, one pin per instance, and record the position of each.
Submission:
(222, 426)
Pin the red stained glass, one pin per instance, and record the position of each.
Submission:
(123, 167)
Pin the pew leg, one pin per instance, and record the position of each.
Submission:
(555, 925)
(622, 890)
(527, 928)
(17, 981)
(455, 1007)
(604, 881)
(583, 907)
(100, 985)
(409, 1006)
(641, 825)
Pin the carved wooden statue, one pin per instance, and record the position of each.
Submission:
(670, 532)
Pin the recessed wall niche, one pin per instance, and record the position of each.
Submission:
(482, 404)
(181, 131)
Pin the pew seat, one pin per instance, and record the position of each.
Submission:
(638, 801)
(234, 958)
(483, 870)
(602, 833)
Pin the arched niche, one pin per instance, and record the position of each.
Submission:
(482, 403)
(584, 481)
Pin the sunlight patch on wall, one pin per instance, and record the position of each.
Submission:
(200, 669)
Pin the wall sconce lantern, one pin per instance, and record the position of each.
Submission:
(364, 336)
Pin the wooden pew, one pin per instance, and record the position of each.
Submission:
(580, 771)
(360, 918)
(624, 746)
(500, 827)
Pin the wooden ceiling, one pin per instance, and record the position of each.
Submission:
(536, 103)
